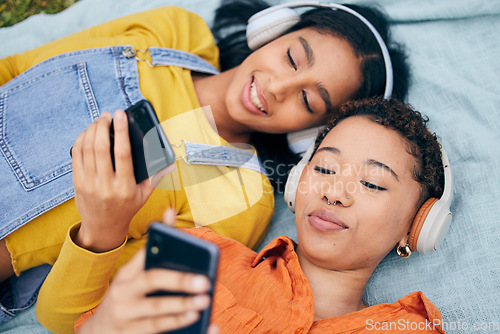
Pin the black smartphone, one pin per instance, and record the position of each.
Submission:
(151, 150)
(170, 248)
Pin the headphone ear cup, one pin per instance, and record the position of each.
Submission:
(419, 221)
(269, 24)
(292, 184)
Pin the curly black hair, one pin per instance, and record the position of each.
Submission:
(412, 126)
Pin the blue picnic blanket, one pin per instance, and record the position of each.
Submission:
(453, 48)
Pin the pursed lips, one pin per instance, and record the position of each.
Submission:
(326, 220)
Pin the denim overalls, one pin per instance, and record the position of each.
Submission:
(42, 112)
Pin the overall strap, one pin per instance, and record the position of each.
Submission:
(204, 154)
(201, 154)
(172, 57)
(166, 56)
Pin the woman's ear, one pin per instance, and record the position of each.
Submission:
(402, 249)
(404, 241)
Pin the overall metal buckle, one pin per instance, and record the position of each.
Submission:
(129, 52)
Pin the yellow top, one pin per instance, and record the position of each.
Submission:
(234, 202)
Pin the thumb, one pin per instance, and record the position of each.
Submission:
(169, 217)
(213, 329)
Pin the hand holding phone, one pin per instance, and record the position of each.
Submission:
(151, 150)
(129, 307)
(106, 199)
(170, 248)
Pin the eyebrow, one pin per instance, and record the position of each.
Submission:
(309, 52)
(382, 165)
(324, 96)
(323, 93)
(370, 162)
(330, 149)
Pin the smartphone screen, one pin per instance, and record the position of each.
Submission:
(170, 248)
(151, 150)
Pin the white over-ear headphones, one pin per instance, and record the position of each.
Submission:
(431, 223)
(273, 22)
(433, 220)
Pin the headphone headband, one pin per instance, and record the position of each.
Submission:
(284, 17)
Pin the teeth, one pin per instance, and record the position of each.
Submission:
(254, 98)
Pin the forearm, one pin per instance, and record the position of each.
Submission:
(77, 283)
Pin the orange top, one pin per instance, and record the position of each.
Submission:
(268, 292)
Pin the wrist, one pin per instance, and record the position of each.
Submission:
(101, 242)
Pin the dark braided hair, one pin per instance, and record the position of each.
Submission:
(423, 145)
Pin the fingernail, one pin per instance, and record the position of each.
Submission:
(105, 115)
(120, 115)
(199, 283)
(200, 300)
(190, 315)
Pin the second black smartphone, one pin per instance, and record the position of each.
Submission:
(170, 248)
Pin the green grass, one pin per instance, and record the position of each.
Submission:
(13, 11)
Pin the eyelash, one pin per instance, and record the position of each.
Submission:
(368, 185)
(304, 94)
(290, 59)
(322, 170)
(372, 186)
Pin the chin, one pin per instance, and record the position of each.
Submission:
(316, 245)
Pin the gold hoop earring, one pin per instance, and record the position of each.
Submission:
(403, 251)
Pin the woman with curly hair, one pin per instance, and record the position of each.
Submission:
(371, 170)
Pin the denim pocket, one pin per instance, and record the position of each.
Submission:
(41, 114)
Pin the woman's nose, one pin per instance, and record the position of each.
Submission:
(282, 86)
(338, 191)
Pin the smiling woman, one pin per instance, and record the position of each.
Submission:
(291, 87)
(344, 26)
